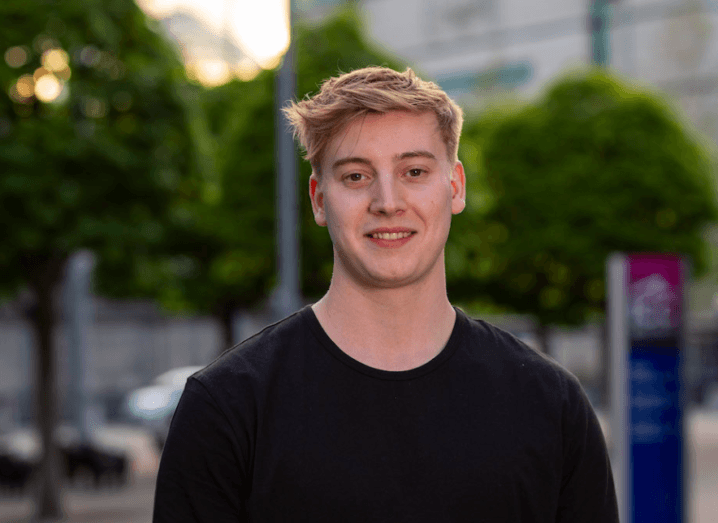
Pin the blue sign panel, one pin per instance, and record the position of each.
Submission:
(655, 302)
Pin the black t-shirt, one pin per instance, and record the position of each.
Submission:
(287, 427)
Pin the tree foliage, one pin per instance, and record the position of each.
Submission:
(93, 168)
(594, 166)
(217, 253)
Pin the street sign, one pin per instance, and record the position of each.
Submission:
(506, 76)
(646, 304)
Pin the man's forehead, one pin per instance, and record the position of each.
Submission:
(424, 138)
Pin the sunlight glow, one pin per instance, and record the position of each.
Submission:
(246, 69)
(210, 72)
(260, 29)
(48, 88)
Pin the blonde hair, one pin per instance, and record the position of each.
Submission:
(316, 120)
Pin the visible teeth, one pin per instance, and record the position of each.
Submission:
(390, 235)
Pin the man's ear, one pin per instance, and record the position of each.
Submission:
(316, 195)
(458, 188)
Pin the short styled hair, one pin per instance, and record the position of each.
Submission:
(316, 120)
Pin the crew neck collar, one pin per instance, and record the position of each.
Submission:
(445, 354)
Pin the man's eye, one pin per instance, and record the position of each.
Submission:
(414, 173)
(355, 177)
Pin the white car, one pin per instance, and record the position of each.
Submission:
(154, 404)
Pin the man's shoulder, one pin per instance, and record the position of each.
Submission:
(256, 356)
(500, 342)
(513, 356)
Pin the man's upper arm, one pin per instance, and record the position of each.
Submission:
(203, 474)
(587, 491)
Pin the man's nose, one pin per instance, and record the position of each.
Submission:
(387, 195)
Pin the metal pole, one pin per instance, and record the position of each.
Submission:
(618, 348)
(599, 24)
(78, 303)
(286, 296)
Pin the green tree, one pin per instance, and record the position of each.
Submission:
(217, 252)
(594, 166)
(219, 255)
(93, 168)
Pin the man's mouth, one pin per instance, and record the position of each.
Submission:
(390, 235)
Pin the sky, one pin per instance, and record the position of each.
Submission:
(259, 27)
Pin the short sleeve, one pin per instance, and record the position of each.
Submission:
(202, 476)
(587, 491)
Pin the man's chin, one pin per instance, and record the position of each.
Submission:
(380, 280)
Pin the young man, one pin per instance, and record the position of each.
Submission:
(382, 402)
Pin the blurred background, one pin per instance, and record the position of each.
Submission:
(152, 208)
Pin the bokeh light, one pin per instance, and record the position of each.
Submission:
(89, 56)
(94, 107)
(55, 60)
(48, 88)
(39, 73)
(17, 56)
(25, 86)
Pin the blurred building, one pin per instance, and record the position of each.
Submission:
(476, 48)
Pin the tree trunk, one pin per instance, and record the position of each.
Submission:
(542, 334)
(48, 503)
(224, 316)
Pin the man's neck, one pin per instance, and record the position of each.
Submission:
(389, 329)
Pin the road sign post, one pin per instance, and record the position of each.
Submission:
(646, 306)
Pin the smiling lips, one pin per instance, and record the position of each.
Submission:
(390, 238)
(390, 235)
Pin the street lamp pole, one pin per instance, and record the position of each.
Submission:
(599, 25)
(286, 295)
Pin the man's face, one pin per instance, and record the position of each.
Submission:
(386, 193)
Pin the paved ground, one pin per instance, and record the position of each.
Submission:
(129, 504)
(703, 467)
(133, 503)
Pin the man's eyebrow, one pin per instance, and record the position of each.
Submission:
(398, 157)
(350, 159)
(415, 154)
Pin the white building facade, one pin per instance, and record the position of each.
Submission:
(475, 48)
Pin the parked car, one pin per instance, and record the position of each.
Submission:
(82, 460)
(91, 462)
(152, 406)
(15, 471)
